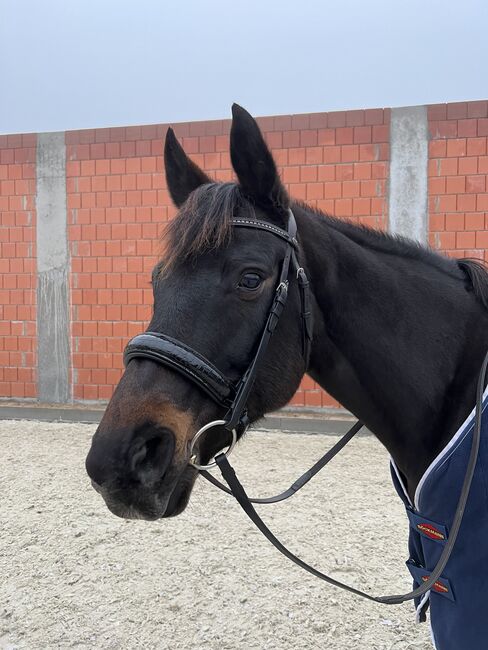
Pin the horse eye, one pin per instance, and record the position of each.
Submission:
(250, 281)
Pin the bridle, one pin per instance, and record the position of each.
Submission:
(234, 396)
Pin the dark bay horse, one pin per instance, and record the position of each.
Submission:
(399, 331)
(397, 334)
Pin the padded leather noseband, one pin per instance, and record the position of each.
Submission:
(180, 357)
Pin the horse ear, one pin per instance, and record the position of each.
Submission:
(182, 174)
(254, 164)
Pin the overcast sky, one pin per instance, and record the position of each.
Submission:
(69, 64)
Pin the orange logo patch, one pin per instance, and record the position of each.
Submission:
(430, 531)
(437, 586)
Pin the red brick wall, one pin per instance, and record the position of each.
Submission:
(458, 171)
(117, 202)
(17, 266)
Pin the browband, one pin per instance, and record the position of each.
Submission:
(180, 357)
(268, 227)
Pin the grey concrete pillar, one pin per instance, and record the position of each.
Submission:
(408, 187)
(53, 298)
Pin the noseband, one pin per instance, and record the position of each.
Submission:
(192, 365)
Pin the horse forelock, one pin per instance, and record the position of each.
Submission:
(203, 223)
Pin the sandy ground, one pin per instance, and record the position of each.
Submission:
(75, 576)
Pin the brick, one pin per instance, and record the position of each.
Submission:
(291, 139)
(143, 148)
(349, 152)
(291, 174)
(333, 190)
(482, 239)
(476, 184)
(336, 119)
(482, 202)
(437, 222)
(454, 221)
(300, 122)
(448, 167)
(374, 116)
(445, 240)
(468, 165)
(456, 147)
(112, 150)
(326, 136)
(298, 191)
(308, 138)
(475, 221)
(314, 155)
(117, 166)
(282, 123)
(457, 110)
(483, 127)
(343, 172)
(313, 397)
(456, 184)
(296, 156)
(361, 206)
(476, 146)
(344, 135)
(437, 185)
(465, 240)
(437, 112)
(332, 154)
(363, 134)
(102, 167)
(478, 109)
(355, 118)
(369, 188)
(447, 203)
(308, 174)
(362, 171)
(350, 188)
(368, 152)
(381, 133)
(467, 128)
(466, 202)
(444, 129)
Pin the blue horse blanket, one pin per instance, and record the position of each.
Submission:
(459, 599)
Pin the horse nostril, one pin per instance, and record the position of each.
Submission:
(145, 454)
(150, 455)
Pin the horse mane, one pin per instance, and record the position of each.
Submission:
(203, 223)
(475, 270)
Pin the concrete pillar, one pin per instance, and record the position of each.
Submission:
(53, 298)
(408, 189)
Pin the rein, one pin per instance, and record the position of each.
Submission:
(234, 396)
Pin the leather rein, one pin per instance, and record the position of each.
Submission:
(234, 396)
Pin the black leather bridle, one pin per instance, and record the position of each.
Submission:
(190, 363)
(234, 396)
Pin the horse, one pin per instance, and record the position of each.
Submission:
(395, 332)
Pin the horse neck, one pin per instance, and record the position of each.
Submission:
(397, 338)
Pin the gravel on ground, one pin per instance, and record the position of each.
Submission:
(75, 576)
